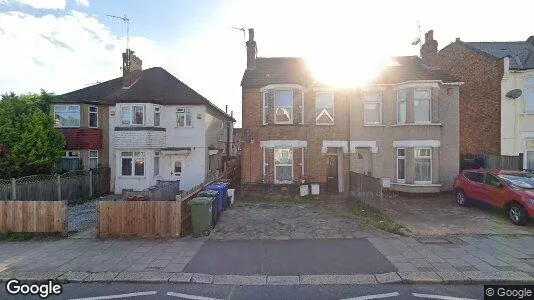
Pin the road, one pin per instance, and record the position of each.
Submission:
(101, 291)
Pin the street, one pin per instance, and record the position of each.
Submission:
(95, 291)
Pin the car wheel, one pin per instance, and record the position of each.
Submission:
(517, 214)
(461, 199)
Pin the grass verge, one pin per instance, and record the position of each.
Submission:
(374, 217)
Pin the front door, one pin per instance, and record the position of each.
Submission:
(176, 170)
(331, 179)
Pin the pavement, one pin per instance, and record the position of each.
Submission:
(251, 292)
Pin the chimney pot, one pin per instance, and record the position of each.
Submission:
(458, 39)
(251, 50)
(251, 34)
(429, 50)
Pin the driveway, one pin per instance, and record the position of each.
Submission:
(329, 217)
(440, 215)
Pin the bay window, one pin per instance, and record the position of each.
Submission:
(423, 165)
(372, 108)
(401, 165)
(283, 107)
(402, 98)
(422, 108)
(133, 115)
(324, 108)
(283, 165)
(133, 163)
(67, 115)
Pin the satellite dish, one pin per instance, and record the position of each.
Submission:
(514, 94)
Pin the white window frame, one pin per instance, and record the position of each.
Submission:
(93, 157)
(292, 118)
(276, 181)
(89, 112)
(429, 106)
(132, 117)
(525, 153)
(333, 107)
(405, 92)
(156, 155)
(366, 101)
(301, 107)
(529, 88)
(174, 168)
(185, 111)
(66, 107)
(414, 162)
(264, 162)
(401, 157)
(264, 108)
(71, 154)
(134, 156)
(157, 111)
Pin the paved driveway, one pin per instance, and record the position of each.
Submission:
(439, 215)
(329, 217)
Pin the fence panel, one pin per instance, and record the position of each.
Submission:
(75, 187)
(37, 188)
(139, 218)
(33, 216)
(366, 188)
(5, 189)
(504, 162)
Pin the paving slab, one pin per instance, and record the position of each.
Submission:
(337, 279)
(143, 277)
(72, 276)
(181, 278)
(453, 277)
(420, 277)
(201, 278)
(282, 280)
(240, 279)
(102, 276)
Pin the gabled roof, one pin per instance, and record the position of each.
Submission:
(277, 70)
(155, 85)
(521, 53)
(410, 68)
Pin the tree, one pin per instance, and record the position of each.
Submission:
(29, 141)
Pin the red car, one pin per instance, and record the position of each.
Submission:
(511, 190)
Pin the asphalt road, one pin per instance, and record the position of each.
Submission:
(289, 257)
(101, 291)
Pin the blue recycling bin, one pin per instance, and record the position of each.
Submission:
(221, 201)
(224, 186)
(214, 209)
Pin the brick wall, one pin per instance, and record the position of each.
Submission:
(83, 138)
(480, 98)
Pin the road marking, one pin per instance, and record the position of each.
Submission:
(193, 297)
(118, 296)
(439, 297)
(377, 296)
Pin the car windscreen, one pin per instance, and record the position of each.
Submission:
(523, 180)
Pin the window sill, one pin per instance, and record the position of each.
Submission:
(417, 184)
(417, 124)
(374, 125)
(325, 124)
(526, 113)
(132, 177)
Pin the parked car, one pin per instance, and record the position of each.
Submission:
(511, 190)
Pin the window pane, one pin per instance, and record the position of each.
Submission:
(401, 152)
(529, 96)
(180, 119)
(138, 115)
(401, 106)
(324, 100)
(139, 166)
(421, 110)
(188, 117)
(373, 96)
(283, 173)
(177, 166)
(126, 115)
(283, 114)
(67, 116)
(93, 163)
(283, 98)
(372, 112)
(283, 156)
(401, 171)
(156, 119)
(422, 152)
(324, 108)
(126, 166)
(422, 169)
(93, 109)
(529, 144)
(93, 153)
(156, 165)
(530, 160)
(422, 95)
(126, 153)
(93, 118)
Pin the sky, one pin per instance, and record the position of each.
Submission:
(64, 45)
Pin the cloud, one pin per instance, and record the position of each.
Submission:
(83, 2)
(65, 53)
(41, 4)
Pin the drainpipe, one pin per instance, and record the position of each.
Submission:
(348, 132)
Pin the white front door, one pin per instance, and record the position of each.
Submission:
(176, 169)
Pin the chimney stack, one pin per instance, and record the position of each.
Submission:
(252, 50)
(131, 68)
(429, 50)
(531, 39)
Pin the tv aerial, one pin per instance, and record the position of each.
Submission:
(241, 29)
(127, 21)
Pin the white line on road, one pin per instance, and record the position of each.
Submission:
(377, 296)
(119, 296)
(193, 297)
(428, 296)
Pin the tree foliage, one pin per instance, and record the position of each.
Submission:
(29, 141)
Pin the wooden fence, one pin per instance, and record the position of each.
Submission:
(367, 189)
(139, 219)
(33, 216)
(503, 162)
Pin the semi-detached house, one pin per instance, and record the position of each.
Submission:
(403, 127)
(149, 127)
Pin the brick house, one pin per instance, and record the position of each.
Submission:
(151, 127)
(490, 122)
(295, 128)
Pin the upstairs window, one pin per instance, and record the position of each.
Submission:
(372, 108)
(421, 106)
(183, 117)
(133, 115)
(324, 108)
(529, 95)
(402, 98)
(93, 117)
(157, 116)
(283, 107)
(67, 115)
